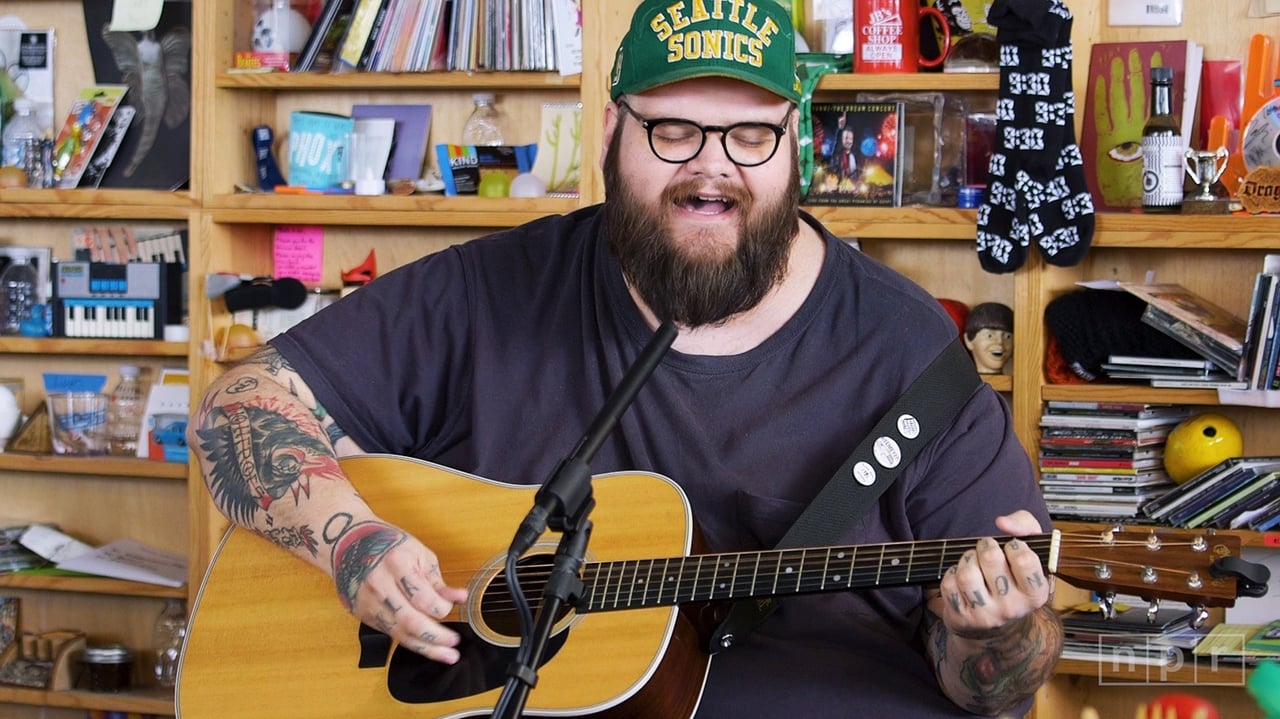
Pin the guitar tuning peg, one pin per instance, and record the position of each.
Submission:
(1107, 605)
(1198, 616)
(1153, 606)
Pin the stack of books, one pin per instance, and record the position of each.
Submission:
(1208, 330)
(1241, 643)
(1178, 372)
(1131, 636)
(1104, 460)
(1237, 493)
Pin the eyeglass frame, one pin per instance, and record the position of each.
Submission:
(650, 123)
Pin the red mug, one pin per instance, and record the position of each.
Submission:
(887, 35)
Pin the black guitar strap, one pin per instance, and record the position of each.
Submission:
(928, 405)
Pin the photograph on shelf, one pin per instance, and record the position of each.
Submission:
(856, 157)
(155, 65)
(1115, 97)
(28, 55)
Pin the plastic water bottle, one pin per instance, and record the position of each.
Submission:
(18, 284)
(170, 632)
(21, 134)
(484, 126)
(124, 413)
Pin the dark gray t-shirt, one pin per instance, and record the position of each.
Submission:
(494, 356)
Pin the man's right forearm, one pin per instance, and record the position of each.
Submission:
(266, 449)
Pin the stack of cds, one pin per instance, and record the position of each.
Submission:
(1103, 460)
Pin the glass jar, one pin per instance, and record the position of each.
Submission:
(109, 668)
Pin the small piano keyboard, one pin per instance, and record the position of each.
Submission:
(130, 300)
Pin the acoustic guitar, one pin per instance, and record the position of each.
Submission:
(268, 637)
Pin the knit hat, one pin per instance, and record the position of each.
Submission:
(673, 40)
(1091, 325)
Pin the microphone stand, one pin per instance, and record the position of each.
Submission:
(562, 503)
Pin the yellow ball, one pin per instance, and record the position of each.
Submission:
(494, 183)
(1199, 443)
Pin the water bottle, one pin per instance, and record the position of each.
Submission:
(124, 413)
(20, 135)
(484, 126)
(18, 284)
(170, 631)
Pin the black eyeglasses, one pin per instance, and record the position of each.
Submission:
(675, 140)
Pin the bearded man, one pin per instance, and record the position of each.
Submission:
(493, 357)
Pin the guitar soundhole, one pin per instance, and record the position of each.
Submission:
(414, 679)
(498, 616)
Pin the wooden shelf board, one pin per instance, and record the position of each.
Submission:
(410, 211)
(1129, 393)
(395, 81)
(915, 222)
(146, 701)
(1189, 672)
(1001, 382)
(913, 81)
(91, 347)
(105, 466)
(95, 204)
(90, 585)
(903, 82)
(1186, 232)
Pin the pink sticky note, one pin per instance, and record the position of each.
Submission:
(298, 252)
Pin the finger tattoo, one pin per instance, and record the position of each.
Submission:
(408, 587)
(1002, 585)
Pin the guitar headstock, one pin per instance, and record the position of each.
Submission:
(1199, 568)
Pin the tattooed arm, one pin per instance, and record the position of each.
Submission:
(991, 633)
(268, 453)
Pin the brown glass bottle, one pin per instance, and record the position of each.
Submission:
(1161, 148)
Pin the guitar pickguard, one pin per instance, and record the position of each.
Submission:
(414, 679)
(490, 636)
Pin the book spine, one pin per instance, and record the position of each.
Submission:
(315, 40)
(377, 35)
(1257, 306)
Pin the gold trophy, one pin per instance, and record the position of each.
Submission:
(1205, 167)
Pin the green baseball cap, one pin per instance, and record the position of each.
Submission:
(673, 40)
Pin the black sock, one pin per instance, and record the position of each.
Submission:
(1002, 228)
(1060, 214)
(1038, 159)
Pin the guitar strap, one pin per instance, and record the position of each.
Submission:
(929, 404)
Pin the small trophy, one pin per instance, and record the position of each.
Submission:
(1205, 167)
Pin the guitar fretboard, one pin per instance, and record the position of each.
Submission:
(635, 584)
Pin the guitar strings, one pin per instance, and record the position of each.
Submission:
(615, 584)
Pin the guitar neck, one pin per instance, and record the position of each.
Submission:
(640, 583)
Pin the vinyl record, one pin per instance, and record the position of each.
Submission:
(1260, 145)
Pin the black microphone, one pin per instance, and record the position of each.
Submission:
(260, 292)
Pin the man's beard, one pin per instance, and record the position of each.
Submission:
(673, 281)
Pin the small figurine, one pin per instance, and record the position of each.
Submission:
(988, 333)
